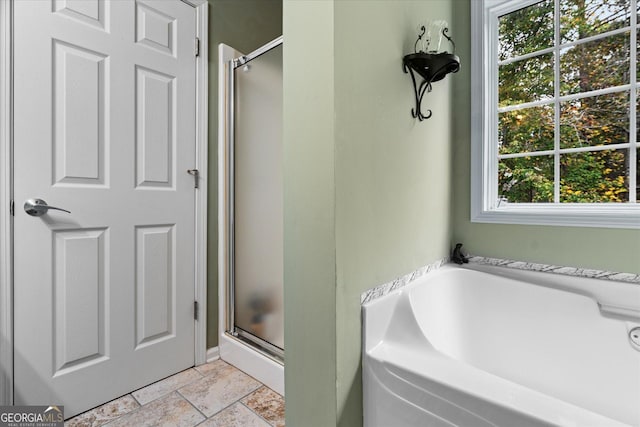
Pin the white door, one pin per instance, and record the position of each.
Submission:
(104, 126)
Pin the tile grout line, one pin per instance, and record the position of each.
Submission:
(261, 386)
(172, 390)
(232, 403)
(253, 391)
(139, 408)
(134, 398)
(176, 390)
(122, 415)
(255, 413)
(194, 407)
(103, 405)
(235, 401)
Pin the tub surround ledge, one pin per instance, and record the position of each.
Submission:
(557, 269)
(386, 288)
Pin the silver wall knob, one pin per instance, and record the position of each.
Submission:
(38, 207)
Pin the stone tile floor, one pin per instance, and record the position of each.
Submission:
(212, 395)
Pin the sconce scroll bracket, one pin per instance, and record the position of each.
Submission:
(419, 93)
(432, 67)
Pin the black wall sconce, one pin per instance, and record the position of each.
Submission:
(431, 66)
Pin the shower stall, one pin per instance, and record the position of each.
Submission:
(250, 225)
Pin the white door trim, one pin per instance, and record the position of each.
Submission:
(202, 154)
(6, 192)
(6, 222)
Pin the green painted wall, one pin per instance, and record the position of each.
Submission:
(392, 190)
(597, 248)
(309, 218)
(244, 25)
(365, 197)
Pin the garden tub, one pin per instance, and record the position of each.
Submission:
(492, 346)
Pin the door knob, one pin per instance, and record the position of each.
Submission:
(38, 207)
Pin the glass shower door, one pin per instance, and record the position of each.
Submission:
(257, 218)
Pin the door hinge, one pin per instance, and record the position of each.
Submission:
(196, 47)
(195, 310)
(12, 208)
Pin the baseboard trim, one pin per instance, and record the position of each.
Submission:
(213, 353)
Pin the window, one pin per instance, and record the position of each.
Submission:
(555, 109)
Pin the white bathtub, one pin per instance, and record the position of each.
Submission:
(488, 346)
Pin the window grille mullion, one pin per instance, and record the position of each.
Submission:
(565, 45)
(633, 57)
(589, 148)
(493, 188)
(556, 94)
(564, 98)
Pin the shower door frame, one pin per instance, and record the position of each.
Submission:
(255, 356)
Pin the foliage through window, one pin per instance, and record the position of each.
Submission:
(567, 102)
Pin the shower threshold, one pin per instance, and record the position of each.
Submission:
(264, 347)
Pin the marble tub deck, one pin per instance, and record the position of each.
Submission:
(212, 395)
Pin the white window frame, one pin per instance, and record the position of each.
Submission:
(485, 206)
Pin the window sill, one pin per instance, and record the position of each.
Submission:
(570, 215)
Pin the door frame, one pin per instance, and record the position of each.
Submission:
(6, 191)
